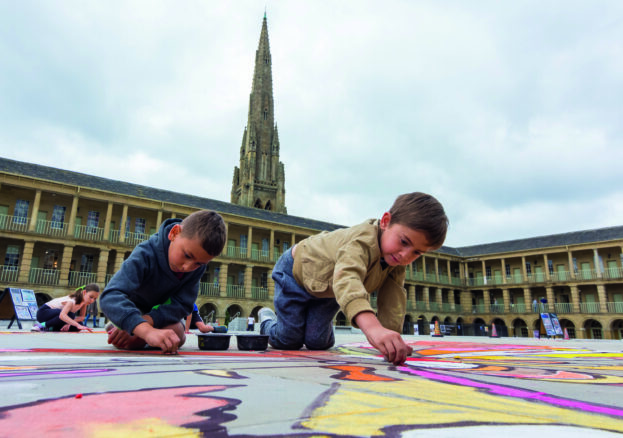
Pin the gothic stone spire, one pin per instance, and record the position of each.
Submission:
(260, 180)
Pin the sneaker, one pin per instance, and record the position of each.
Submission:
(36, 327)
(266, 314)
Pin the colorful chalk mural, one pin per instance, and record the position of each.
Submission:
(348, 391)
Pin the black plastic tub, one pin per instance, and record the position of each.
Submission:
(252, 342)
(213, 341)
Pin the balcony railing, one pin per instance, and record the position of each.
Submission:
(44, 276)
(616, 307)
(134, 239)
(613, 273)
(209, 289)
(236, 252)
(421, 306)
(563, 307)
(9, 273)
(87, 232)
(14, 223)
(262, 256)
(518, 308)
(235, 291)
(589, 307)
(51, 228)
(259, 293)
(79, 278)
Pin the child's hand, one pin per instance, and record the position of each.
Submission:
(165, 339)
(121, 339)
(388, 342)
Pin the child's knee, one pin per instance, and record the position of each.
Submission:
(316, 345)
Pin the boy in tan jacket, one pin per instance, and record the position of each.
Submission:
(338, 270)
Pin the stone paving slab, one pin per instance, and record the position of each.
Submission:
(75, 384)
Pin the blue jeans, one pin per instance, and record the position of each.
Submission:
(302, 319)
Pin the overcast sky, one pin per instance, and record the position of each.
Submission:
(509, 112)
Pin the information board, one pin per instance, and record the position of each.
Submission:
(547, 324)
(556, 324)
(23, 303)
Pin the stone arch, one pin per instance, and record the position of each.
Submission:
(258, 203)
(407, 325)
(500, 327)
(519, 328)
(42, 298)
(340, 319)
(593, 329)
(616, 328)
(460, 326)
(423, 325)
(208, 312)
(450, 327)
(233, 311)
(570, 326)
(479, 327)
(268, 206)
(254, 313)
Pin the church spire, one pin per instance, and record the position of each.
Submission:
(260, 180)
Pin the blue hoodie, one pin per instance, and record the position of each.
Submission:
(145, 280)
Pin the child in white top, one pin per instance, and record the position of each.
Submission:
(59, 314)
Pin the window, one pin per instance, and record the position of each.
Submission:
(265, 114)
(528, 268)
(286, 246)
(264, 280)
(550, 266)
(265, 245)
(241, 278)
(86, 263)
(20, 214)
(243, 242)
(58, 217)
(575, 265)
(217, 271)
(50, 259)
(127, 226)
(139, 226)
(508, 270)
(488, 271)
(12, 256)
(93, 219)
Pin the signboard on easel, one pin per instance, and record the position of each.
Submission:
(21, 305)
(556, 324)
(547, 324)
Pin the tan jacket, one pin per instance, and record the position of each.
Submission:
(346, 264)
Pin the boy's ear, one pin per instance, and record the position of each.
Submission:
(175, 231)
(385, 220)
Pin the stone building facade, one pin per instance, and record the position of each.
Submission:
(61, 229)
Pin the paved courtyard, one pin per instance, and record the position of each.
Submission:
(74, 384)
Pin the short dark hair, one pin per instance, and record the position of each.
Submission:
(209, 228)
(421, 212)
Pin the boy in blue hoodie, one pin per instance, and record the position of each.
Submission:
(158, 284)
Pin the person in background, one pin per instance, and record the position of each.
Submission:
(194, 321)
(92, 312)
(65, 314)
(250, 323)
